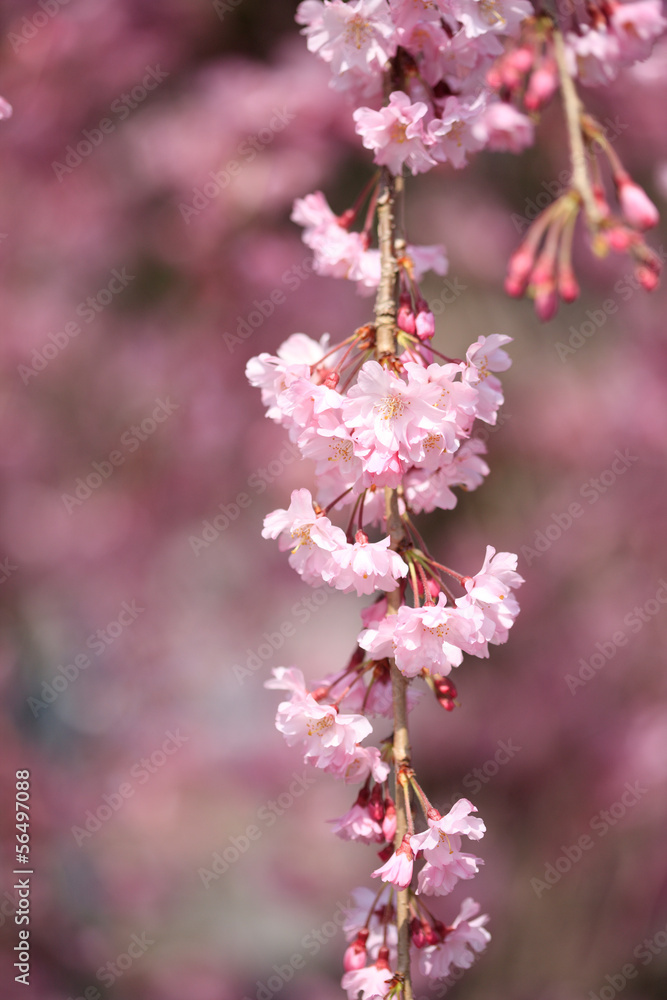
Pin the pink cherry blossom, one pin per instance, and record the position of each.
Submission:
(439, 880)
(357, 765)
(366, 901)
(483, 357)
(311, 538)
(452, 136)
(398, 869)
(368, 983)
(426, 490)
(501, 16)
(320, 729)
(396, 134)
(441, 846)
(457, 821)
(357, 824)
(358, 35)
(294, 359)
(367, 566)
(491, 591)
(593, 55)
(390, 420)
(504, 128)
(432, 637)
(636, 26)
(463, 939)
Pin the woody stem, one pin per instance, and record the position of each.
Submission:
(385, 348)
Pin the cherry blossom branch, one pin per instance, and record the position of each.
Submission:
(385, 348)
(573, 112)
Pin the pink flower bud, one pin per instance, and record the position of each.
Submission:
(430, 935)
(493, 78)
(406, 317)
(647, 278)
(346, 219)
(425, 324)
(417, 933)
(355, 954)
(619, 238)
(636, 206)
(521, 59)
(518, 274)
(389, 821)
(546, 302)
(541, 87)
(331, 380)
(568, 287)
(376, 805)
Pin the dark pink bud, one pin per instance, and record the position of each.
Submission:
(493, 78)
(406, 317)
(430, 936)
(546, 302)
(389, 821)
(361, 537)
(647, 278)
(619, 238)
(346, 219)
(425, 324)
(568, 287)
(519, 271)
(541, 87)
(386, 853)
(331, 380)
(521, 59)
(417, 933)
(636, 205)
(376, 805)
(355, 955)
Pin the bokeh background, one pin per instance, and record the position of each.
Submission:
(138, 615)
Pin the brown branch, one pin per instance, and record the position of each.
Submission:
(385, 347)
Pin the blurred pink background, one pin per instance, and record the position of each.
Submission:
(142, 611)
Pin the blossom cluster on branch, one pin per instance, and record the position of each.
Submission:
(389, 420)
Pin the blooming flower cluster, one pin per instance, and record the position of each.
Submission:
(389, 420)
(372, 427)
(473, 74)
